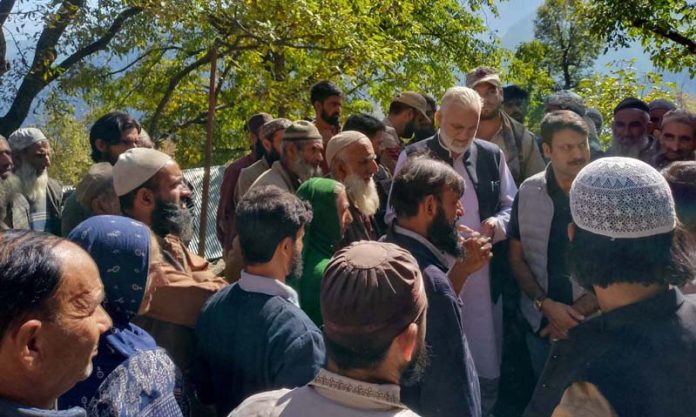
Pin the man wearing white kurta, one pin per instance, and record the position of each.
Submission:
(487, 211)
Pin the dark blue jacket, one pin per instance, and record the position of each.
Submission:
(248, 343)
(482, 163)
(449, 386)
(641, 357)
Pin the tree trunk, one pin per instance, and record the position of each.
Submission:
(42, 71)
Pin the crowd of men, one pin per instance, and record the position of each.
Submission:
(443, 261)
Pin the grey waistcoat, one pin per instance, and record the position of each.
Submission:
(535, 214)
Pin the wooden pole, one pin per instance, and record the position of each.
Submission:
(203, 229)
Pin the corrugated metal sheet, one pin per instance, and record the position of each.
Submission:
(194, 176)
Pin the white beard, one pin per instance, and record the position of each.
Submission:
(362, 194)
(629, 151)
(451, 146)
(33, 185)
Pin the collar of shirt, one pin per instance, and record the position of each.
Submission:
(10, 409)
(357, 394)
(269, 286)
(441, 256)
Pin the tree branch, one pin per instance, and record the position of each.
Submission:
(163, 50)
(5, 9)
(670, 34)
(99, 44)
(171, 87)
(201, 118)
(45, 54)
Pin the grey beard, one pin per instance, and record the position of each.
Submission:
(629, 151)
(363, 195)
(33, 184)
(169, 218)
(303, 170)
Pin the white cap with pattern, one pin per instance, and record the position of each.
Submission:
(135, 166)
(622, 198)
(25, 137)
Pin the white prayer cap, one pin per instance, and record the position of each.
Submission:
(343, 140)
(25, 137)
(135, 166)
(622, 198)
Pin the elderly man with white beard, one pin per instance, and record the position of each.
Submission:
(31, 154)
(486, 211)
(630, 131)
(353, 163)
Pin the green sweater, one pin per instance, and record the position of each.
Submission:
(320, 240)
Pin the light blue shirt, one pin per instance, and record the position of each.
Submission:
(269, 286)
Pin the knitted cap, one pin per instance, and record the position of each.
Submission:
(567, 100)
(98, 178)
(270, 128)
(25, 137)
(135, 166)
(342, 141)
(632, 103)
(661, 103)
(371, 291)
(301, 130)
(622, 198)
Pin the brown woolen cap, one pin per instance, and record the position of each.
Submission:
(371, 291)
(301, 130)
(99, 178)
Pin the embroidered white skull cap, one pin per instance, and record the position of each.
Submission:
(25, 137)
(135, 166)
(622, 198)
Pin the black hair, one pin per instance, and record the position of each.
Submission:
(127, 201)
(366, 357)
(364, 123)
(266, 216)
(431, 102)
(559, 120)
(397, 107)
(110, 128)
(323, 90)
(29, 275)
(514, 92)
(666, 258)
(681, 177)
(420, 177)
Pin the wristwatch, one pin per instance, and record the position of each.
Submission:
(539, 302)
